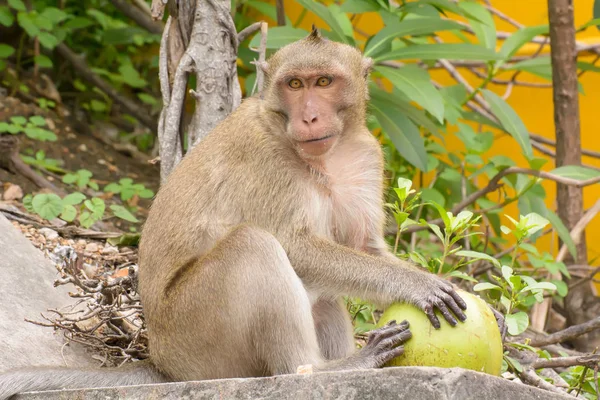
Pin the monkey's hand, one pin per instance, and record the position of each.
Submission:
(384, 344)
(438, 293)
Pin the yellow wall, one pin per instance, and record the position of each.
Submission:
(534, 105)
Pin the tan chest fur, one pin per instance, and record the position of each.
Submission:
(345, 199)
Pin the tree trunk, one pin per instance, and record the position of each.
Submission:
(200, 38)
(581, 304)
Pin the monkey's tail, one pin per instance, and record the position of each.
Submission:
(55, 378)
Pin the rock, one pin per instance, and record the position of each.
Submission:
(110, 250)
(91, 247)
(27, 290)
(48, 233)
(414, 383)
(12, 192)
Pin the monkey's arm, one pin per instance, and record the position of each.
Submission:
(334, 269)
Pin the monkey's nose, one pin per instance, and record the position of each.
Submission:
(310, 119)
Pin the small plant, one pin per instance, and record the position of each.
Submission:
(32, 128)
(518, 291)
(81, 178)
(74, 206)
(127, 189)
(41, 161)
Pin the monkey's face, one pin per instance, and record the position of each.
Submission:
(313, 102)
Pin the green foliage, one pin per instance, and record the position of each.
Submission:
(81, 178)
(31, 127)
(74, 206)
(127, 189)
(41, 161)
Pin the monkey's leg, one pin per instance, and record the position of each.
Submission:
(242, 311)
(334, 329)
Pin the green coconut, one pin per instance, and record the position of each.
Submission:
(475, 344)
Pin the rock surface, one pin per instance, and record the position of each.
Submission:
(26, 291)
(410, 383)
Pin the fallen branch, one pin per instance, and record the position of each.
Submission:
(87, 74)
(569, 333)
(589, 360)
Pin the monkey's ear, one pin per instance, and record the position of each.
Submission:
(367, 65)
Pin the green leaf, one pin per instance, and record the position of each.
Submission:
(517, 323)
(6, 50)
(146, 194)
(484, 27)
(27, 203)
(510, 120)
(73, 198)
(443, 214)
(19, 120)
(540, 286)
(78, 23)
(462, 275)
(43, 135)
(431, 194)
(478, 256)
(436, 229)
(519, 38)
(131, 76)
(86, 219)
(407, 27)
(43, 61)
(359, 6)
(402, 132)
(561, 287)
(436, 51)
(280, 36)
(416, 84)
(47, 205)
(576, 172)
(402, 104)
(6, 17)
(486, 286)
(325, 14)
(48, 40)
(37, 120)
(26, 22)
(68, 213)
(96, 206)
(17, 5)
(54, 15)
(563, 232)
(123, 213)
(112, 188)
(507, 272)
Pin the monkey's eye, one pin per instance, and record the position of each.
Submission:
(295, 83)
(324, 81)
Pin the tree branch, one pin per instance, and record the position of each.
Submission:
(131, 107)
(569, 333)
(138, 16)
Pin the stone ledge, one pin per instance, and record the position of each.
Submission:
(411, 383)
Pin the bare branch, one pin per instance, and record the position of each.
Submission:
(567, 334)
(249, 30)
(139, 16)
(130, 106)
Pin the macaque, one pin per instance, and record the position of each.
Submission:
(262, 227)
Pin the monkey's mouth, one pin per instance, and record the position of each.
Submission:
(317, 147)
(318, 139)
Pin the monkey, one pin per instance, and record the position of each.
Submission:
(259, 231)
